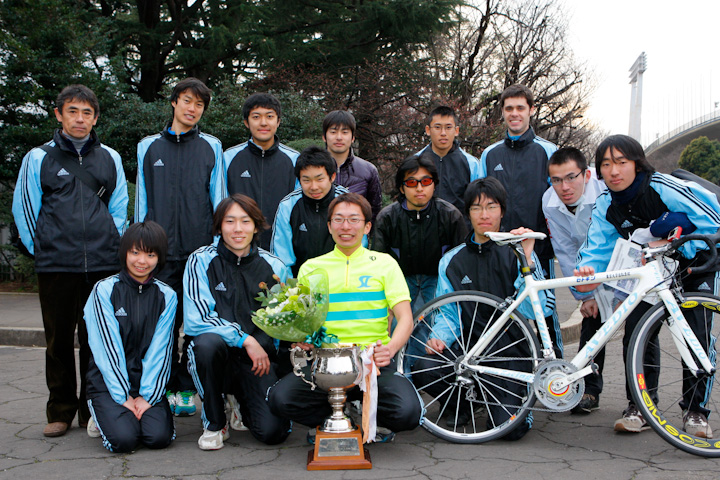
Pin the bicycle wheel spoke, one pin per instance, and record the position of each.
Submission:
(463, 405)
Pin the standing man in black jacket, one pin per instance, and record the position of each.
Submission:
(180, 180)
(456, 168)
(70, 207)
(354, 173)
(520, 162)
(262, 168)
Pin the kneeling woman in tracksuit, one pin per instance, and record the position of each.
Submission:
(129, 318)
(229, 354)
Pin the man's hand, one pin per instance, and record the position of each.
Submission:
(305, 346)
(261, 362)
(589, 308)
(382, 355)
(585, 272)
(528, 244)
(141, 406)
(434, 346)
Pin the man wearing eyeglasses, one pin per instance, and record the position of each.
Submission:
(519, 161)
(364, 286)
(567, 206)
(418, 228)
(456, 168)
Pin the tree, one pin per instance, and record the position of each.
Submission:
(702, 157)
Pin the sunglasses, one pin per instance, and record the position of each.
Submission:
(413, 182)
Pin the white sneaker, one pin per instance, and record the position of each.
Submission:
(185, 403)
(695, 423)
(233, 408)
(210, 440)
(92, 429)
(632, 421)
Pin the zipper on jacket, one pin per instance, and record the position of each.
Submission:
(347, 272)
(82, 212)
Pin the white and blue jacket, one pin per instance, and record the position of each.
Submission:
(130, 333)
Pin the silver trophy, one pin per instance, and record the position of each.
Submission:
(334, 370)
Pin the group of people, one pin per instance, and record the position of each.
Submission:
(211, 226)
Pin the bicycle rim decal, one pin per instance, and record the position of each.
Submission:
(712, 306)
(684, 437)
(689, 304)
(641, 381)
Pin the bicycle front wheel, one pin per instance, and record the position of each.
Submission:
(663, 388)
(461, 404)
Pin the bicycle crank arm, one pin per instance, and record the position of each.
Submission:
(561, 383)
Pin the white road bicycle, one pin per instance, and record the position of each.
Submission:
(488, 382)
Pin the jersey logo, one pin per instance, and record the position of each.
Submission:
(302, 228)
(364, 281)
(245, 174)
(221, 287)
(498, 167)
(465, 280)
(62, 172)
(626, 224)
(372, 258)
(704, 286)
(121, 312)
(159, 163)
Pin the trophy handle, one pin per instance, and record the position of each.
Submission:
(297, 370)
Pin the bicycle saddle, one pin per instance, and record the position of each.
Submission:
(505, 238)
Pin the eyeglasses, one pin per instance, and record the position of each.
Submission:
(413, 182)
(492, 208)
(440, 128)
(351, 220)
(568, 179)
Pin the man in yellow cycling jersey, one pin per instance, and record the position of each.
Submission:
(364, 285)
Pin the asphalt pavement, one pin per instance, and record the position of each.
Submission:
(560, 445)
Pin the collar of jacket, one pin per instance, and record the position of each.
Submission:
(416, 215)
(64, 144)
(127, 279)
(347, 164)
(478, 247)
(228, 256)
(323, 202)
(356, 254)
(256, 150)
(524, 140)
(183, 137)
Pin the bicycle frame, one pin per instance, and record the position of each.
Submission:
(651, 280)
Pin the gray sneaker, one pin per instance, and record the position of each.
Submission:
(632, 421)
(696, 424)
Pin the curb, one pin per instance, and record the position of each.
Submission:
(571, 327)
(25, 337)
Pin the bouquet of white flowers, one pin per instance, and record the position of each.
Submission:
(295, 311)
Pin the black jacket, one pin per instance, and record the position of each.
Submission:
(266, 176)
(300, 231)
(456, 170)
(521, 166)
(361, 177)
(418, 239)
(180, 180)
(61, 220)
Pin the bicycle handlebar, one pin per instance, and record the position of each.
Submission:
(709, 240)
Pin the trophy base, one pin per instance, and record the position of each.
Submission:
(339, 451)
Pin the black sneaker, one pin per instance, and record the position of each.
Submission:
(462, 419)
(587, 404)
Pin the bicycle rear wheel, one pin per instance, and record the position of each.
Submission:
(653, 354)
(461, 405)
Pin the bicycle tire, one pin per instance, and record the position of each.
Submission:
(663, 413)
(495, 406)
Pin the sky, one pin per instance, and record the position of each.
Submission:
(682, 44)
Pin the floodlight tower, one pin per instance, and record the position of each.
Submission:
(636, 78)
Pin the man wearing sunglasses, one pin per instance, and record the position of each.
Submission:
(567, 206)
(418, 228)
